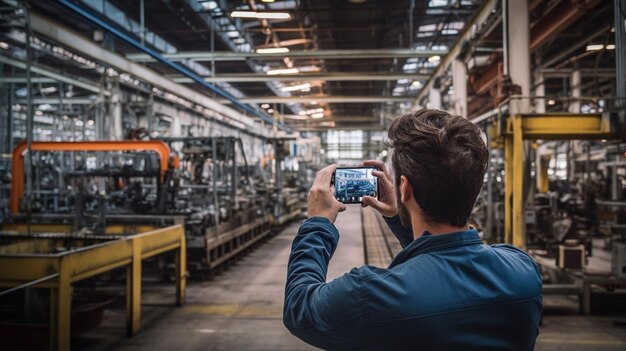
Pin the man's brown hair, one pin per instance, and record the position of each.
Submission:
(444, 158)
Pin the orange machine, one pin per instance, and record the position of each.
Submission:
(17, 168)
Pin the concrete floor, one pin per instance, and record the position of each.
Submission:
(241, 308)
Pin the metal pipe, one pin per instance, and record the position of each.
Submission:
(312, 54)
(620, 50)
(160, 58)
(29, 119)
(411, 32)
(325, 98)
(29, 284)
(142, 21)
(327, 76)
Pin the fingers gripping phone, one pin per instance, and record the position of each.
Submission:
(352, 183)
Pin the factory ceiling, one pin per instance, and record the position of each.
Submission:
(347, 64)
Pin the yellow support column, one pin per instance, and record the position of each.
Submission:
(181, 268)
(508, 189)
(519, 233)
(61, 308)
(133, 290)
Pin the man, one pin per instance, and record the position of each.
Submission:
(445, 290)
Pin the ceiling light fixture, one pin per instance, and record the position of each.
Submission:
(270, 110)
(272, 50)
(317, 115)
(610, 47)
(551, 102)
(260, 15)
(595, 47)
(274, 72)
(209, 5)
(265, 106)
(435, 58)
(304, 86)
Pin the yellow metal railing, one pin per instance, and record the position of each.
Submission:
(19, 269)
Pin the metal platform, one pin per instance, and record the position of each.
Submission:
(33, 261)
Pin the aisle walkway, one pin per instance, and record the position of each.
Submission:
(240, 309)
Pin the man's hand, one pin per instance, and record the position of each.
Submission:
(386, 203)
(321, 201)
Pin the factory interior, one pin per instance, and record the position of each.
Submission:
(156, 156)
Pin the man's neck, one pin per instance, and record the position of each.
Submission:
(419, 227)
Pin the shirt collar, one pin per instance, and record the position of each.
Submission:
(429, 243)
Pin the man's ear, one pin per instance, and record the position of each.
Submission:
(406, 189)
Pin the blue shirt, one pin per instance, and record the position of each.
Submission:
(441, 292)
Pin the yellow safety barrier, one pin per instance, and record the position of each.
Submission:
(19, 268)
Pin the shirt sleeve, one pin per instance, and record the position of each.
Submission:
(322, 314)
(402, 233)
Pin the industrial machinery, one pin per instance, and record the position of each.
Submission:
(225, 203)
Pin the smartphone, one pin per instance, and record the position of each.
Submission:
(352, 183)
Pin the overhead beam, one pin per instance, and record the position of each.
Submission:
(312, 54)
(22, 79)
(326, 76)
(326, 99)
(56, 101)
(50, 73)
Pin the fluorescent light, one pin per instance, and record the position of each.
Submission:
(260, 15)
(610, 47)
(4, 45)
(90, 122)
(270, 110)
(243, 14)
(595, 47)
(435, 58)
(317, 115)
(272, 50)
(551, 102)
(265, 106)
(296, 87)
(267, 0)
(417, 83)
(209, 5)
(449, 32)
(273, 72)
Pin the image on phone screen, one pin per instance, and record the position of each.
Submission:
(351, 184)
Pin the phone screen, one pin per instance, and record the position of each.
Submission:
(351, 184)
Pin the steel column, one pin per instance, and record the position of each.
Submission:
(434, 98)
(575, 86)
(517, 53)
(620, 49)
(540, 91)
(508, 189)
(459, 81)
(519, 228)
(133, 290)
